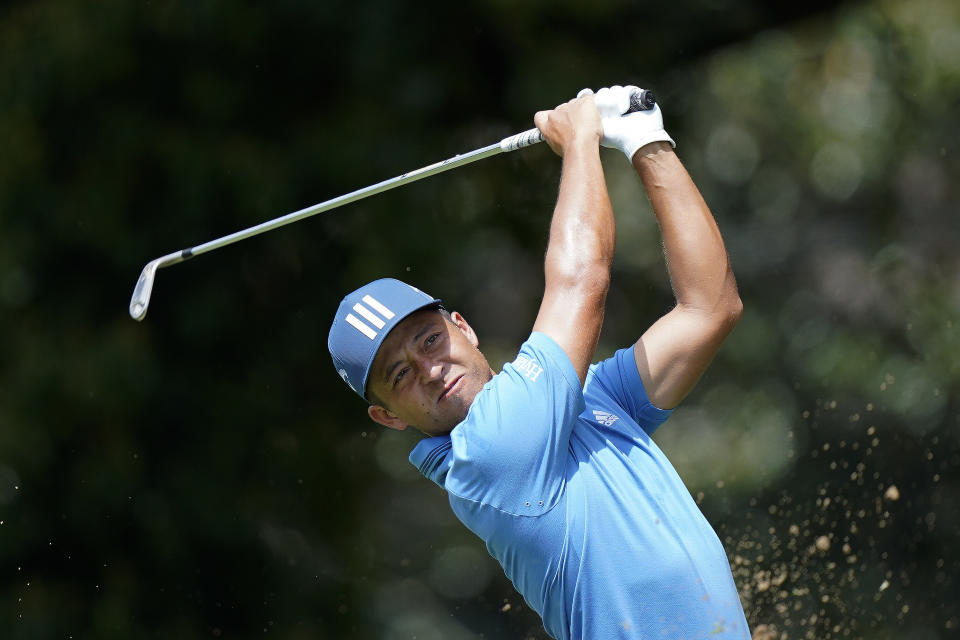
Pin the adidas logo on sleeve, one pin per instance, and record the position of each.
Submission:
(604, 418)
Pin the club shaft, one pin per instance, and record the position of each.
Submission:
(353, 196)
(141, 293)
(639, 100)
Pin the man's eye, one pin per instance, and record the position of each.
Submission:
(431, 339)
(400, 375)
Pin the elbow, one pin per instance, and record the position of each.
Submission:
(722, 313)
(586, 281)
(719, 320)
(593, 279)
(730, 307)
(729, 312)
(734, 311)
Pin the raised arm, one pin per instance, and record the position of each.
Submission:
(580, 249)
(673, 353)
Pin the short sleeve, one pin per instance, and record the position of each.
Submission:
(511, 450)
(618, 378)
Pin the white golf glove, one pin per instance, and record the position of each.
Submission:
(631, 131)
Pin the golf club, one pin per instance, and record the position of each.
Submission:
(640, 101)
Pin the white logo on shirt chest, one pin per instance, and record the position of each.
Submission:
(529, 368)
(604, 418)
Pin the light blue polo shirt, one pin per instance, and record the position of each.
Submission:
(581, 508)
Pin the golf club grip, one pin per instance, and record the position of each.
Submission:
(642, 100)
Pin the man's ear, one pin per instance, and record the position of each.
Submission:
(382, 415)
(467, 330)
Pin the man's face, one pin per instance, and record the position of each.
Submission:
(427, 373)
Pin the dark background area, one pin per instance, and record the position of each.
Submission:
(205, 473)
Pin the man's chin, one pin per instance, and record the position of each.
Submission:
(447, 426)
(459, 406)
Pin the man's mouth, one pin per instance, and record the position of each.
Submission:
(451, 388)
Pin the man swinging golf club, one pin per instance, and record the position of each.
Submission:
(551, 461)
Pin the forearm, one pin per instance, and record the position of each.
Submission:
(696, 257)
(582, 231)
(580, 249)
(579, 254)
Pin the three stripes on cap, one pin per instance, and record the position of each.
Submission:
(369, 316)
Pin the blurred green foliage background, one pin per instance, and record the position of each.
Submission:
(207, 474)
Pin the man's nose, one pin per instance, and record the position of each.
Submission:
(432, 369)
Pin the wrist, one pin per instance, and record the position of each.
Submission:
(582, 141)
(650, 151)
(654, 159)
(588, 138)
(647, 143)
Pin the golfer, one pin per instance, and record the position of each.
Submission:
(551, 461)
